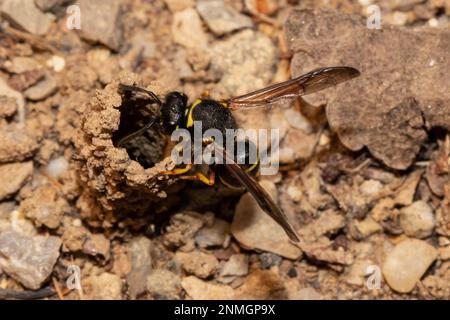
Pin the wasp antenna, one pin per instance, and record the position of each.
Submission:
(136, 133)
(153, 96)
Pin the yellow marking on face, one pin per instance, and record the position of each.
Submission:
(190, 120)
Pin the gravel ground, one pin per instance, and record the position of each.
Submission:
(364, 168)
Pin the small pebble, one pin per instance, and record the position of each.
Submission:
(215, 235)
(245, 60)
(407, 263)
(164, 284)
(268, 260)
(74, 237)
(25, 14)
(198, 263)
(179, 5)
(42, 89)
(16, 145)
(187, 29)
(21, 65)
(57, 167)
(97, 244)
(220, 18)
(6, 90)
(45, 207)
(46, 5)
(364, 228)
(308, 293)
(262, 285)
(141, 266)
(202, 290)
(370, 188)
(236, 266)
(297, 120)
(14, 176)
(8, 106)
(253, 228)
(417, 220)
(444, 253)
(19, 223)
(29, 260)
(109, 13)
(357, 273)
(57, 63)
(106, 286)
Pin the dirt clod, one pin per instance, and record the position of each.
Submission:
(19, 256)
(15, 175)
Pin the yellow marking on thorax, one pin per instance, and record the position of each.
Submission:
(190, 120)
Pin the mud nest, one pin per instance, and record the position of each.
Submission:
(121, 184)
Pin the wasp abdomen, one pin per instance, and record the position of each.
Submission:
(247, 157)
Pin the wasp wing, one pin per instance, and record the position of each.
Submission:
(311, 82)
(261, 196)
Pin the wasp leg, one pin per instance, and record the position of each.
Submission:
(179, 171)
(210, 180)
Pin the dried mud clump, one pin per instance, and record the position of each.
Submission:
(124, 183)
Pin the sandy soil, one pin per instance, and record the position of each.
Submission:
(364, 167)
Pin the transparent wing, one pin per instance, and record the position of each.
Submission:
(311, 82)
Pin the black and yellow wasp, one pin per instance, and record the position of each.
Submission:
(176, 113)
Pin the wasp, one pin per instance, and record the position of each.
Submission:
(176, 113)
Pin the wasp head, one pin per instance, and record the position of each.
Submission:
(172, 111)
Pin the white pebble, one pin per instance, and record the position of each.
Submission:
(406, 264)
(297, 120)
(57, 167)
(417, 220)
(57, 63)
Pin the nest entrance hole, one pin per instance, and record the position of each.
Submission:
(135, 113)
